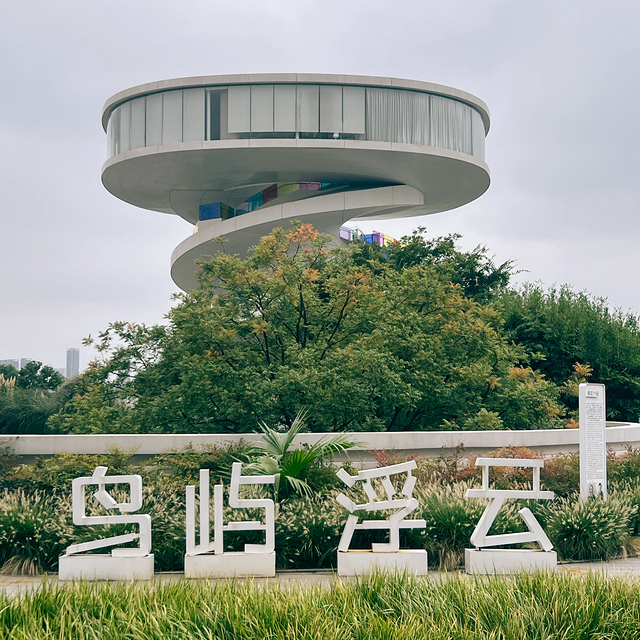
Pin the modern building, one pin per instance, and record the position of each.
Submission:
(238, 155)
(11, 363)
(73, 363)
(24, 362)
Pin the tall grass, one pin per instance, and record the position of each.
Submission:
(548, 606)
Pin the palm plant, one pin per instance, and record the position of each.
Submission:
(277, 459)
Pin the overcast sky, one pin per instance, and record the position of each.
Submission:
(561, 79)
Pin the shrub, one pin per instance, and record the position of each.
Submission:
(589, 529)
(561, 474)
(184, 464)
(57, 472)
(308, 533)
(624, 467)
(34, 530)
(167, 510)
(446, 468)
(451, 519)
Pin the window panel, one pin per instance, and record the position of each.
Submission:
(330, 109)
(397, 116)
(171, 117)
(477, 135)
(125, 126)
(154, 120)
(114, 133)
(239, 109)
(308, 112)
(284, 117)
(353, 110)
(193, 115)
(262, 108)
(215, 115)
(450, 124)
(137, 123)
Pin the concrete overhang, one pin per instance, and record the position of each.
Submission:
(326, 213)
(178, 178)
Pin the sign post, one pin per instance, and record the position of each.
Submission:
(593, 441)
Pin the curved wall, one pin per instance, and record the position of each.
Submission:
(295, 111)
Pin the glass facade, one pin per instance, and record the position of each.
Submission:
(289, 111)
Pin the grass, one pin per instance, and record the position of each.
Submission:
(541, 606)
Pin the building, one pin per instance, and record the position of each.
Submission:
(238, 155)
(24, 362)
(11, 363)
(73, 363)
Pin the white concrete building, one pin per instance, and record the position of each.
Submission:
(238, 155)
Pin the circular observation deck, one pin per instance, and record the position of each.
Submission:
(239, 155)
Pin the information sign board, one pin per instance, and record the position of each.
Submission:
(593, 441)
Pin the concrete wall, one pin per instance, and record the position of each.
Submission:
(425, 443)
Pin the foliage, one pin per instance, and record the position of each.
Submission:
(34, 530)
(363, 341)
(276, 457)
(182, 466)
(562, 328)
(382, 606)
(27, 410)
(308, 533)
(476, 274)
(34, 375)
(623, 467)
(591, 529)
(55, 474)
(561, 474)
(451, 519)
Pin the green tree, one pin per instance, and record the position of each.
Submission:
(564, 329)
(35, 375)
(9, 371)
(28, 398)
(479, 278)
(364, 342)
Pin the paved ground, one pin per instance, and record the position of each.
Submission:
(623, 567)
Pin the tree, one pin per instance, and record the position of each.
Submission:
(364, 342)
(35, 375)
(29, 397)
(277, 458)
(479, 278)
(8, 371)
(563, 328)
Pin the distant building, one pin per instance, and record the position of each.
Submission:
(24, 362)
(12, 363)
(73, 362)
(62, 371)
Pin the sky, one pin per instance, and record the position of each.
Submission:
(561, 79)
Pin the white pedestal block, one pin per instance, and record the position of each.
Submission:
(228, 565)
(357, 563)
(507, 561)
(105, 567)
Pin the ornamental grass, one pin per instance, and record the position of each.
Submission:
(395, 607)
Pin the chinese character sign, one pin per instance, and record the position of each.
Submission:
(206, 545)
(480, 538)
(103, 496)
(405, 504)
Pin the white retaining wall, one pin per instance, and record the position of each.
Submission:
(425, 443)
